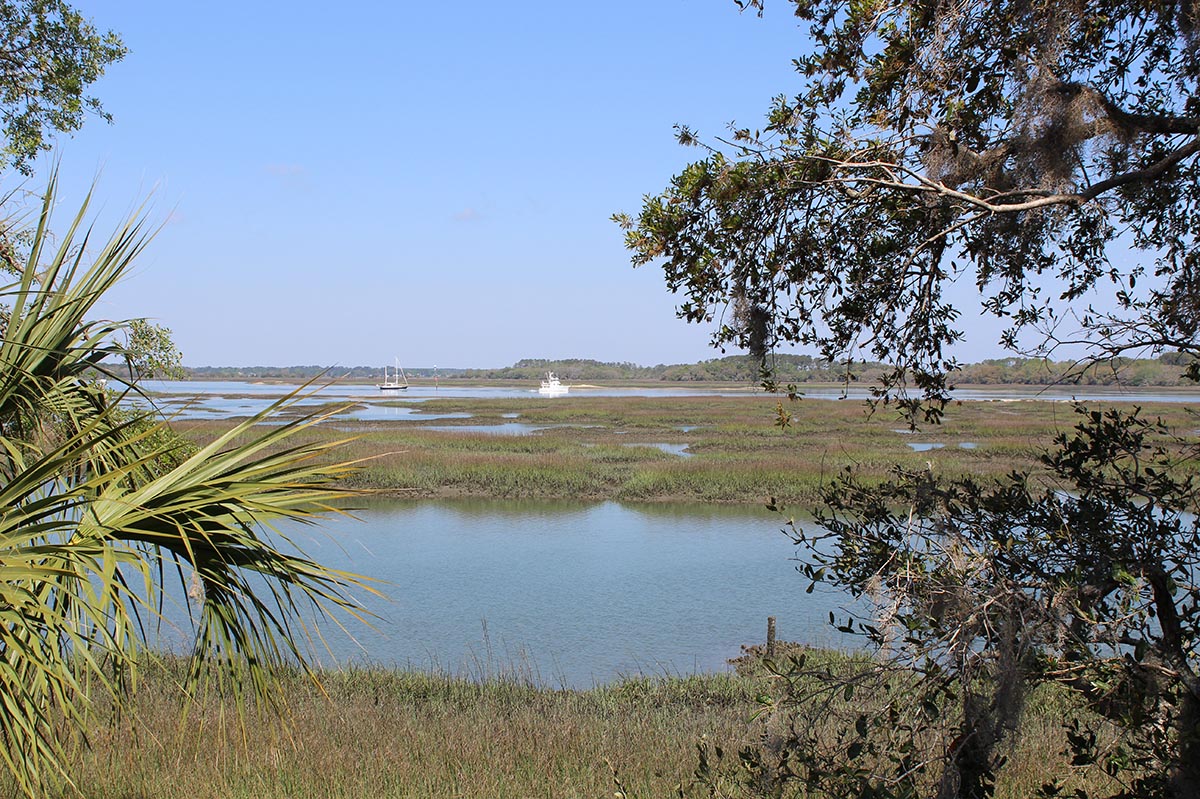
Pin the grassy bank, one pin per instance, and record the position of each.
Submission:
(403, 734)
(613, 448)
(382, 733)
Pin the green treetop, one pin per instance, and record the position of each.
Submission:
(49, 55)
(1043, 150)
(1048, 153)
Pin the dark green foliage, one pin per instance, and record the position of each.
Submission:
(150, 352)
(49, 56)
(1043, 151)
(975, 596)
(1049, 153)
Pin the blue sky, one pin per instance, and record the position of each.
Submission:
(341, 184)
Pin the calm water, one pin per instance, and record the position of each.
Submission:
(223, 399)
(572, 595)
(217, 399)
(367, 391)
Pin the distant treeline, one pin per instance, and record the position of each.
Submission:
(1166, 370)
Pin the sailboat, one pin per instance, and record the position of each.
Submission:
(394, 382)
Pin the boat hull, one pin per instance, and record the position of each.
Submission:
(551, 387)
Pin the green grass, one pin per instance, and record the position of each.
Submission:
(603, 448)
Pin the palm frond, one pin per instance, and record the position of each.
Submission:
(100, 520)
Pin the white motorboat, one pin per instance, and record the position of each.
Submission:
(551, 386)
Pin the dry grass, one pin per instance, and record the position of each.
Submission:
(385, 733)
(403, 734)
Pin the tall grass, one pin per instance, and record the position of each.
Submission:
(382, 733)
(385, 733)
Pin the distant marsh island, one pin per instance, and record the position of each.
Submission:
(1166, 370)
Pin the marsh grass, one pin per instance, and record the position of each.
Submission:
(385, 733)
(602, 447)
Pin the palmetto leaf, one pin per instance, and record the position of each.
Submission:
(97, 515)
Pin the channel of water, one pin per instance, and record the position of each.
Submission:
(566, 594)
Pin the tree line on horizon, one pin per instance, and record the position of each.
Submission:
(1166, 370)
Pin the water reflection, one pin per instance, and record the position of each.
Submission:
(505, 429)
(931, 445)
(573, 594)
(680, 450)
(383, 413)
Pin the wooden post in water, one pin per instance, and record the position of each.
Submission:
(770, 636)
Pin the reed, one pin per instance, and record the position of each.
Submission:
(377, 732)
(381, 733)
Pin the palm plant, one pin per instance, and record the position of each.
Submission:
(101, 517)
